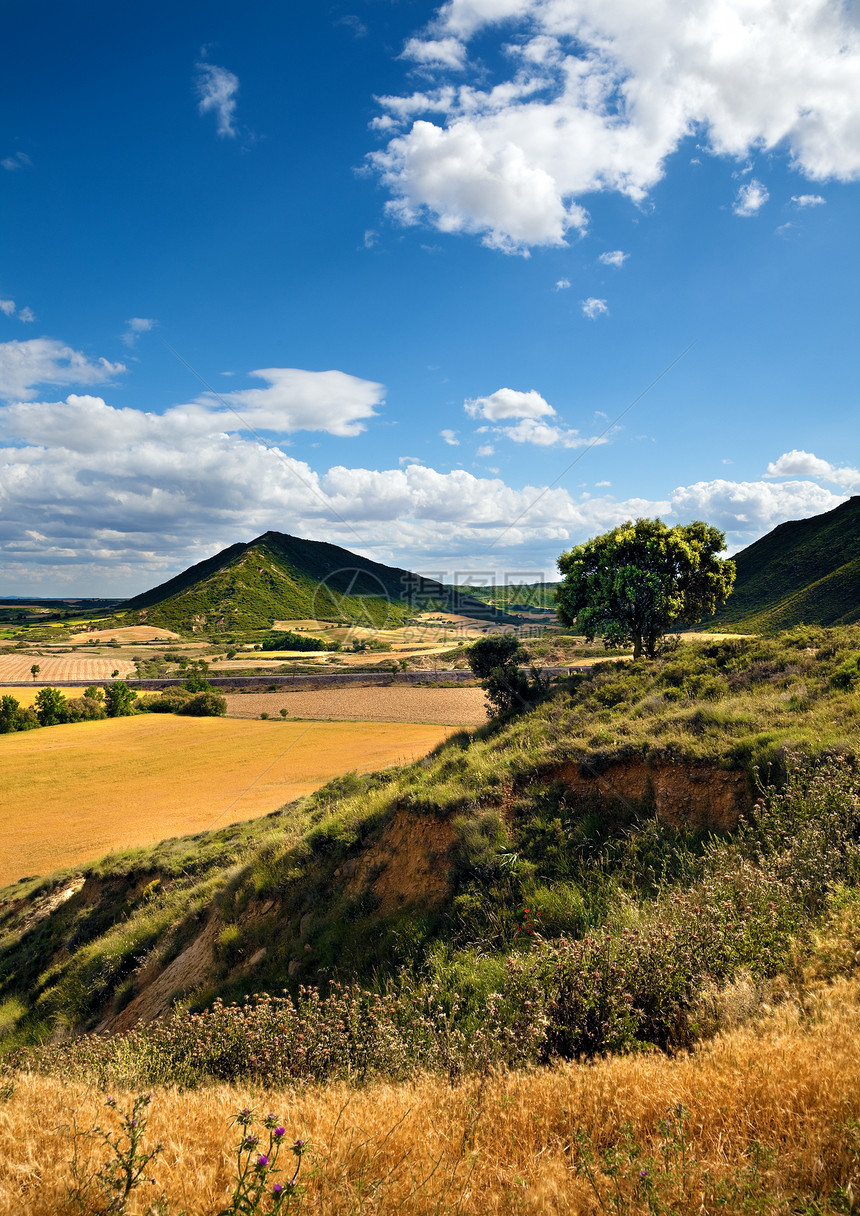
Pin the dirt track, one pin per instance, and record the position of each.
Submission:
(447, 706)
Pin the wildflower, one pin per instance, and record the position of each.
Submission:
(643, 1173)
(279, 1133)
(250, 1141)
(298, 1146)
(277, 1188)
(262, 1161)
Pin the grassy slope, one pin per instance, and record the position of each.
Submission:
(280, 577)
(736, 703)
(803, 571)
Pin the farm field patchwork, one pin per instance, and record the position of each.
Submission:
(72, 793)
(447, 706)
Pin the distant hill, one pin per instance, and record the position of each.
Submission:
(806, 571)
(279, 577)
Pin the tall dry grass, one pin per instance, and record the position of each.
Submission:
(766, 1126)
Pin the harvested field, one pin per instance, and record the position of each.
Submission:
(449, 706)
(72, 793)
(127, 633)
(762, 1120)
(61, 667)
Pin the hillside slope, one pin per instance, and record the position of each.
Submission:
(806, 571)
(593, 799)
(281, 577)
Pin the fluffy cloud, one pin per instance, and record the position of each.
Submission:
(798, 463)
(448, 52)
(746, 510)
(297, 400)
(613, 257)
(532, 412)
(597, 97)
(25, 365)
(509, 403)
(7, 307)
(450, 437)
(562, 285)
(216, 91)
(751, 198)
(544, 436)
(808, 200)
(593, 308)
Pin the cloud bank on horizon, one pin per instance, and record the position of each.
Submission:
(116, 495)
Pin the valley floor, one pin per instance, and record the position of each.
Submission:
(762, 1119)
(75, 792)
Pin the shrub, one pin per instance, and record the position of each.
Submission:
(204, 705)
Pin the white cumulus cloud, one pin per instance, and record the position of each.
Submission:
(593, 308)
(597, 96)
(450, 437)
(808, 200)
(298, 400)
(509, 403)
(38, 361)
(613, 257)
(798, 463)
(216, 91)
(751, 198)
(448, 52)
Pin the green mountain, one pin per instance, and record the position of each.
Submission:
(806, 571)
(279, 577)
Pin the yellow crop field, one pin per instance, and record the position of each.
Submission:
(72, 793)
(27, 696)
(762, 1116)
(62, 667)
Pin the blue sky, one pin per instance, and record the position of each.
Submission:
(389, 273)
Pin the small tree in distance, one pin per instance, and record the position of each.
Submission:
(34, 670)
(634, 583)
(495, 661)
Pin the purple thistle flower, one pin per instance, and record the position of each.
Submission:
(262, 1161)
(298, 1146)
(279, 1133)
(277, 1188)
(250, 1141)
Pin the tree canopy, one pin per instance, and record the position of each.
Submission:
(634, 583)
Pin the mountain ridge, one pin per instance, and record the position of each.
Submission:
(805, 571)
(276, 576)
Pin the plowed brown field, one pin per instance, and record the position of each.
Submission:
(451, 706)
(72, 793)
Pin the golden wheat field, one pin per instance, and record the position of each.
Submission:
(62, 667)
(765, 1115)
(71, 793)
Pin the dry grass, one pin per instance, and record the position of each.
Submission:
(398, 703)
(62, 667)
(767, 1105)
(74, 792)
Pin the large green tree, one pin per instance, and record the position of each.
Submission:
(635, 583)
